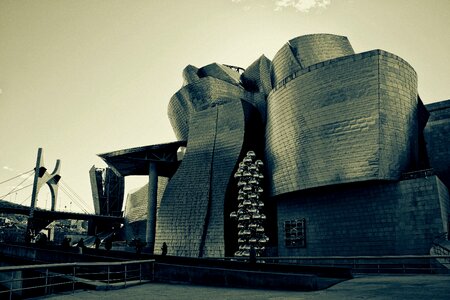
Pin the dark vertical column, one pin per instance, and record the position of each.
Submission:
(37, 174)
(152, 203)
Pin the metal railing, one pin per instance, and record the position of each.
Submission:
(37, 280)
(407, 264)
(417, 174)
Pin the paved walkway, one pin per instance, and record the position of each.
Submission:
(411, 287)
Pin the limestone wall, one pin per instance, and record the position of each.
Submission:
(437, 136)
(397, 218)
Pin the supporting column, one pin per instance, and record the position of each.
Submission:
(151, 208)
(38, 173)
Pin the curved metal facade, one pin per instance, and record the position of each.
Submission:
(304, 51)
(198, 96)
(346, 120)
(315, 48)
(211, 111)
(322, 115)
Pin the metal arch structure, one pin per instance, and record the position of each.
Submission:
(41, 177)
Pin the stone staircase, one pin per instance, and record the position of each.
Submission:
(441, 246)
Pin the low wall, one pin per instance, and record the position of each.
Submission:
(53, 254)
(200, 271)
(235, 278)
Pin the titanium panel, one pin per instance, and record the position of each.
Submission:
(315, 48)
(256, 77)
(198, 96)
(190, 219)
(284, 63)
(342, 121)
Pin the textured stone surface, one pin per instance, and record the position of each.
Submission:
(437, 136)
(136, 209)
(346, 120)
(396, 218)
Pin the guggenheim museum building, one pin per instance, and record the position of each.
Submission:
(354, 162)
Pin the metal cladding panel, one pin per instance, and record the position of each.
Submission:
(136, 205)
(198, 96)
(229, 142)
(327, 124)
(136, 210)
(284, 64)
(95, 189)
(190, 74)
(257, 76)
(315, 48)
(399, 120)
(221, 72)
(190, 219)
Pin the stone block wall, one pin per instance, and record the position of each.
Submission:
(136, 210)
(314, 139)
(437, 136)
(372, 218)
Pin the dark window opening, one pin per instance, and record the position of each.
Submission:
(295, 233)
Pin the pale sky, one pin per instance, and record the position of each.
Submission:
(79, 78)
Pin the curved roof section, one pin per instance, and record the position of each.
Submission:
(220, 72)
(198, 96)
(304, 51)
(315, 48)
(319, 117)
(190, 74)
(284, 63)
(257, 76)
(330, 63)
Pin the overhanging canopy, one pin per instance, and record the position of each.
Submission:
(135, 161)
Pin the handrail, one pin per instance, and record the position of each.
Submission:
(75, 264)
(442, 247)
(337, 257)
(67, 274)
(367, 264)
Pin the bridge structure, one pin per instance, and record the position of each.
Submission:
(42, 217)
(39, 218)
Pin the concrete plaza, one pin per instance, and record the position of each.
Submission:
(361, 287)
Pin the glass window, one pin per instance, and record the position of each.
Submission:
(295, 233)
